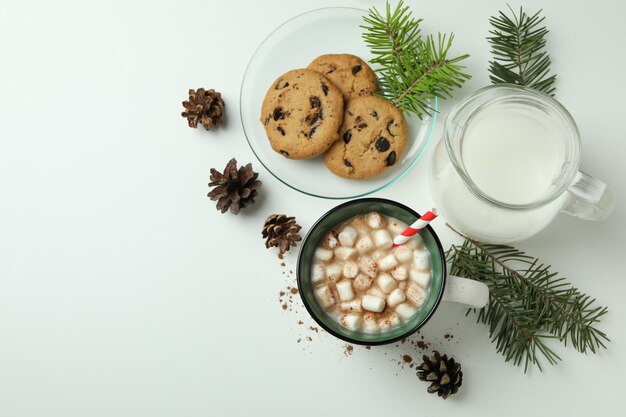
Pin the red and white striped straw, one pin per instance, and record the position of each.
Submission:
(415, 228)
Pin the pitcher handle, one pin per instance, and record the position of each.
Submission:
(589, 198)
(472, 293)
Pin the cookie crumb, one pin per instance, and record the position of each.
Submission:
(349, 350)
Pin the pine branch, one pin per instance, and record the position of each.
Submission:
(528, 303)
(412, 70)
(517, 44)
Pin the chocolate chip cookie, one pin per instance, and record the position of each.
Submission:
(374, 135)
(302, 112)
(349, 73)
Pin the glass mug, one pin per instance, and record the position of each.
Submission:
(443, 287)
(508, 164)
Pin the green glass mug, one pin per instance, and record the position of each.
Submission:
(442, 287)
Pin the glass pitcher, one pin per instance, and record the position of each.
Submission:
(507, 164)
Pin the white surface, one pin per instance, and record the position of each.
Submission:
(117, 274)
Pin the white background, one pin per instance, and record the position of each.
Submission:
(123, 292)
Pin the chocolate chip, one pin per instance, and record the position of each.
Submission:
(267, 120)
(374, 114)
(382, 144)
(356, 69)
(312, 131)
(284, 152)
(347, 136)
(314, 119)
(278, 113)
(325, 89)
(391, 159)
(280, 129)
(348, 164)
(362, 126)
(281, 84)
(315, 102)
(389, 124)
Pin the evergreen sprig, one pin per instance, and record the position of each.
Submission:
(517, 45)
(528, 303)
(412, 70)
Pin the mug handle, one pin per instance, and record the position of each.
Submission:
(589, 199)
(472, 293)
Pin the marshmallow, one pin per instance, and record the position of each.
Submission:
(351, 306)
(375, 221)
(333, 272)
(373, 303)
(360, 224)
(396, 227)
(400, 273)
(421, 278)
(421, 259)
(323, 254)
(317, 273)
(415, 242)
(325, 297)
(382, 239)
(362, 282)
(370, 324)
(344, 253)
(377, 292)
(344, 290)
(405, 311)
(364, 244)
(386, 282)
(416, 294)
(352, 321)
(377, 255)
(350, 269)
(332, 241)
(396, 297)
(388, 262)
(368, 266)
(347, 236)
(389, 322)
(402, 254)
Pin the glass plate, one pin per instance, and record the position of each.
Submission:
(294, 44)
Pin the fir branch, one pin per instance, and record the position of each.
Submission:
(518, 44)
(412, 70)
(528, 303)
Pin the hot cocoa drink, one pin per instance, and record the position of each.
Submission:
(365, 284)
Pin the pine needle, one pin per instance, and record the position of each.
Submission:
(517, 45)
(529, 304)
(412, 69)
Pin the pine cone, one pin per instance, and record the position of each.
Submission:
(282, 232)
(206, 107)
(234, 189)
(445, 374)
